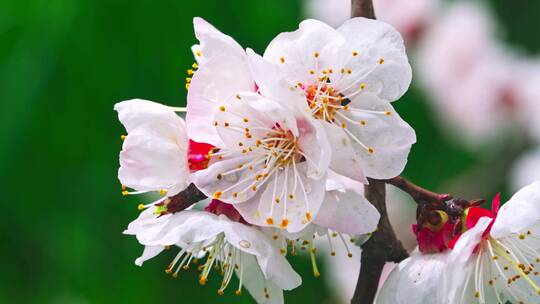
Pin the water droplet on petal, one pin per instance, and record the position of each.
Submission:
(244, 244)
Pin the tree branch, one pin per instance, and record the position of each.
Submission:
(419, 194)
(383, 245)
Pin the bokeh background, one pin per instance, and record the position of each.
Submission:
(63, 65)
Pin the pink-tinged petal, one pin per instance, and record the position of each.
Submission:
(344, 159)
(520, 213)
(221, 78)
(496, 203)
(213, 43)
(474, 214)
(375, 54)
(312, 46)
(347, 212)
(154, 157)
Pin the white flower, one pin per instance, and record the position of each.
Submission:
(417, 279)
(222, 73)
(409, 17)
(348, 77)
(154, 153)
(231, 246)
(271, 164)
(496, 260)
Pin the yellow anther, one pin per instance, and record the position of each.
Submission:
(355, 53)
(381, 60)
(388, 113)
(349, 71)
(362, 86)
(371, 150)
(235, 194)
(195, 65)
(342, 70)
(125, 192)
(311, 72)
(203, 281)
(190, 72)
(215, 123)
(217, 194)
(363, 122)
(349, 255)
(316, 54)
(238, 292)
(345, 108)
(187, 86)
(140, 207)
(123, 137)
(188, 79)
(198, 53)
(246, 120)
(343, 125)
(291, 196)
(222, 108)
(162, 192)
(284, 223)
(282, 59)
(308, 216)
(522, 236)
(226, 124)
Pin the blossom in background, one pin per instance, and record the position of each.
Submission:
(154, 153)
(228, 246)
(526, 169)
(349, 84)
(473, 81)
(409, 17)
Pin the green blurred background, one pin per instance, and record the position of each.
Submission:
(64, 63)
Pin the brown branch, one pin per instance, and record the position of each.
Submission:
(184, 199)
(383, 245)
(419, 194)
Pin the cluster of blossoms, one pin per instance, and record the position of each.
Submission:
(278, 142)
(481, 256)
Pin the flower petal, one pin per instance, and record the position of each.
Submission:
(273, 265)
(415, 280)
(310, 47)
(347, 212)
(460, 258)
(148, 253)
(271, 81)
(384, 131)
(215, 82)
(254, 281)
(344, 159)
(519, 213)
(213, 42)
(135, 112)
(375, 53)
(154, 157)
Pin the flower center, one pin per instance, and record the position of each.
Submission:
(323, 101)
